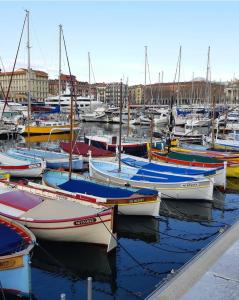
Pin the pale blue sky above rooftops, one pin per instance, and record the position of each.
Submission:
(115, 33)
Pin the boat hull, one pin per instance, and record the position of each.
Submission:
(89, 230)
(35, 130)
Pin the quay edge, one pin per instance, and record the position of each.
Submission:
(211, 274)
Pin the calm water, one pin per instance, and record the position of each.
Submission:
(149, 250)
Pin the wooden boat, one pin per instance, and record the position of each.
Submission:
(16, 242)
(21, 166)
(176, 187)
(198, 161)
(84, 149)
(218, 174)
(54, 160)
(110, 143)
(57, 216)
(130, 201)
(45, 127)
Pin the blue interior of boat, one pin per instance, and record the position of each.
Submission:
(128, 173)
(10, 240)
(100, 190)
(40, 153)
(160, 168)
(21, 157)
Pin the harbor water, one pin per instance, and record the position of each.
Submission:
(149, 252)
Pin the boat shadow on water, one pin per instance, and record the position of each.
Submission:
(187, 210)
(138, 228)
(76, 261)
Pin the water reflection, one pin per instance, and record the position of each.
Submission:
(76, 261)
(138, 228)
(187, 210)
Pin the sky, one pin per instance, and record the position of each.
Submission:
(116, 33)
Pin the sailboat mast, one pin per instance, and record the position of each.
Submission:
(89, 78)
(29, 78)
(120, 129)
(59, 79)
(161, 96)
(145, 71)
(179, 71)
(207, 91)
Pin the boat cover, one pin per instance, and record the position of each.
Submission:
(10, 240)
(20, 200)
(81, 148)
(100, 190)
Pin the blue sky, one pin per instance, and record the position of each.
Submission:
(115, 34)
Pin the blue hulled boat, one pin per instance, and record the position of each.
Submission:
(16, 242)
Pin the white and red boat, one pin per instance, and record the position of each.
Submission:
(57, 216)
(19, 166)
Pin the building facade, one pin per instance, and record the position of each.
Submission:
(136, 94)
(232, 92)
(19, 85)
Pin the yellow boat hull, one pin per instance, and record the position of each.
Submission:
(47, 129)
(233, 171)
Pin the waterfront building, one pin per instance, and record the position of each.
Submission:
(232, 92)
(197, 92)
(19, 85)
(136, 94)
(112, 93)
(100, 91)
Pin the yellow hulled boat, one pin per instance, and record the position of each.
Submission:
(46, 127)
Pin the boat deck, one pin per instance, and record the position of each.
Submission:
(52, 209)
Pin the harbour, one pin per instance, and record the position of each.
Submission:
(150, 250)
(122, 185)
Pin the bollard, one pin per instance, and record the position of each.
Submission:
(89, 288)
(63, 297)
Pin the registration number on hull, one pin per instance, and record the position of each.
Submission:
(85, 221)
(190, 185)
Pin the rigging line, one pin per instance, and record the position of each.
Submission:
(174, 251)
(136, 294)
(130, 255)
(39, 45)
(14, 65)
